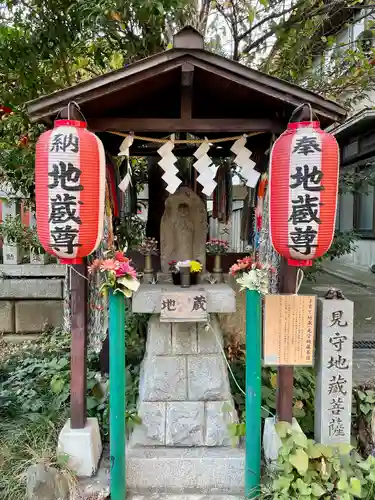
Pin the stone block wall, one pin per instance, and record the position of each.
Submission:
(31, 298)
(185, 397)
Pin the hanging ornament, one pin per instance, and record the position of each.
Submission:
(125, 151)
(303, 192)
(202, 166)
(242, 159)
(70, 190)
(167, 164)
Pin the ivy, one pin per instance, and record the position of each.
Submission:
(307, 470)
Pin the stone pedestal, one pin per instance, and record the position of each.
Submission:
(185, 405)
(82, 446)
(185, 398)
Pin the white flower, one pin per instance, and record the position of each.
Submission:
(255, 279)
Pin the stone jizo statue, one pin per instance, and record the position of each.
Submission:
(183, 229)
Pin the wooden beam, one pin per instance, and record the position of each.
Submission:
(170, 125)
(187, 77)
(182, 152)
(78, 306)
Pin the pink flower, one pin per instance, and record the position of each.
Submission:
(121, 257)
(234, 269)
(109, 265)
(94, 266)
(125, 269)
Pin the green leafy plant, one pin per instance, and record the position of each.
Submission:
(33, 242)
(14, 231)
(130, 232)
(364, 417)
(307, 470)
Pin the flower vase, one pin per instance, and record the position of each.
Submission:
(218, 270)
(185, 276)
(194, 278)
(38, 258)
(176, 278)
(148, 272)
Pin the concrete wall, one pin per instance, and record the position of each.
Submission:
(31, 299)
(364, 256)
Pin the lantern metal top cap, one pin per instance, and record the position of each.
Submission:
(70, 123)
(294, 125)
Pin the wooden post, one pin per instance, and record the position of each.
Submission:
(253, 393)
(117, 400)
(284, 399)
(288, 276)
(78, 306)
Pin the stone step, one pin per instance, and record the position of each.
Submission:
(203, 471)
(195, 496)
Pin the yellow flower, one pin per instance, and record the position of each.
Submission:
(195, 267)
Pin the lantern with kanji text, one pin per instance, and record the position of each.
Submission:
(70, 190)
(304, 168)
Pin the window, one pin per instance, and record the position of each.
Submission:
(357, 210)
(365, 210)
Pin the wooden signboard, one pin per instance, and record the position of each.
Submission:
(183, 306)
(289, 330)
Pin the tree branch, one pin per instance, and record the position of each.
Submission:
(270, 17)
(289, 23)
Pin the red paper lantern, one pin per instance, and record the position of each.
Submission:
(70, 190)
(304, 170)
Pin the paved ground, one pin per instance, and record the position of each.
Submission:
(364, 319)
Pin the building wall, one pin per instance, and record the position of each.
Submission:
(364, 256)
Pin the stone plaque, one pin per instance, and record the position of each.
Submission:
(289, 330)
(333, 401)
(184, 306)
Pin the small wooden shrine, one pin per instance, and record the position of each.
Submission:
(235, 112)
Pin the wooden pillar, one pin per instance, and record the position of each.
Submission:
(78, 309)
(78, 306)
(284, 399)
(288, 277)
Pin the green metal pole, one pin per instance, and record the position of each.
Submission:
(117, 388)
(253, 393)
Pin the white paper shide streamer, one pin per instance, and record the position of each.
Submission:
(242, 159)
(124, 151)
(167, 162)
(202, 166)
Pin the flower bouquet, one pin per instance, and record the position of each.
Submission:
(251, 275)
(217, 247)
(148, 247)
(119, 274)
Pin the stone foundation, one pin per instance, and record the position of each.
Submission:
(185, 398)
(31, 298)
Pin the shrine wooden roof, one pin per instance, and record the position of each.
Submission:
(186, 89)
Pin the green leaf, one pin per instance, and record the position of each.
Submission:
(342, 483)
(299, 438)
(282, 483)
(302, 487)
(344, 448)
(264, 3)
(317, 490)
(300, 461)
(283, 429)
(313, 450)
(116, 61)
(130, 283)
(251, 14)
(57, 385)
(355, 487)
